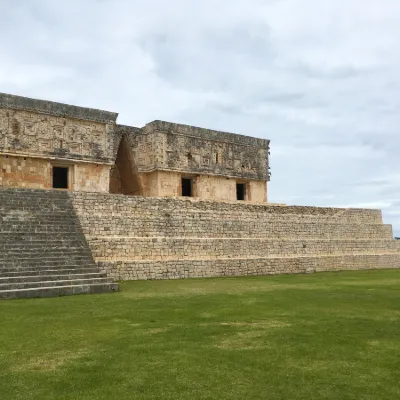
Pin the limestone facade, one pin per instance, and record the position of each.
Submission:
(155, 238)
(159, 160)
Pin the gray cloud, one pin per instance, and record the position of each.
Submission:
(319, 78)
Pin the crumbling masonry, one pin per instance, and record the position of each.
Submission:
(85, 201)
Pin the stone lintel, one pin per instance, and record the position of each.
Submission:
(209, 134)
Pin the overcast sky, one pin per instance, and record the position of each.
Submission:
(319, 78)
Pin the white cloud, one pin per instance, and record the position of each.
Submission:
(319, 78)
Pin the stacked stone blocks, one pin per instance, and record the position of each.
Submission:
(159, 238)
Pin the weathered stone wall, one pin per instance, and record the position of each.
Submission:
(206, 187)
(163, 153)
(159, 207)
(161, 238)
(53, 130)
(32, 173)
(211, 187)
(91, 177)
(36, 173)
(103, 156)
(203, 151)
(139, 248)
(204, 268)
(161, 183)
(36, 134)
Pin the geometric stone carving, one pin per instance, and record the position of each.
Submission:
(75, 148)
(45, 145)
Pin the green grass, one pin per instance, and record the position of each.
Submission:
(321, 336)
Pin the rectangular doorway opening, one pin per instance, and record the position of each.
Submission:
(187, 187)
(240, 191)
(60, 177)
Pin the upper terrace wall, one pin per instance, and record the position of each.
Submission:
(166, 208)
(57, 131)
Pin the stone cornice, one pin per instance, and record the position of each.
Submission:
(9, 101)
(209, 134)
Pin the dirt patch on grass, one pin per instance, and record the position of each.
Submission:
(223, 287)
(383, 345)
(51, 362)
(252, 339)
(258, 324)
(153, 331)
(207, 315)
(272, 323)
(373, 283)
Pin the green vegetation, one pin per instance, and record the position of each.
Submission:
(321, 336)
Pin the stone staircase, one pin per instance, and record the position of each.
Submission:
(43, 252)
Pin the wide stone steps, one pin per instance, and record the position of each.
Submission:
(28, 283)
(34, 252)
(56, 225)
(35, 227)
(32, 246)
(43, 251)
(40, 238)
(43, 271)
(55, 291)
(44, 263)
(39, 234)
(50, 277)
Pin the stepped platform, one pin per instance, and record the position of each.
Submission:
(170, 238)
(43, 251)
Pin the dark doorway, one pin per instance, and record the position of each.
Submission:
(240, 191)
(60, 177)
(187, 187)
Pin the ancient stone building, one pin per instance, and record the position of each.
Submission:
(85, 201)
(46, 145)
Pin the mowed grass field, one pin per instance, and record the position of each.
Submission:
(321, 336)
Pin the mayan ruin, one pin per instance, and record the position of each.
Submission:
(86, 202)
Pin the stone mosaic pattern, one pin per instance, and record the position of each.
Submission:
(175, 147)
(32, 128)
(29, 133)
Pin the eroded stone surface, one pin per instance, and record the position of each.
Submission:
(159, 238)
(36, 135)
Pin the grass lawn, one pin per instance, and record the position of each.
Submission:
(321, 336)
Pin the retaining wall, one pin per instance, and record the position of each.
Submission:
(168, 238)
